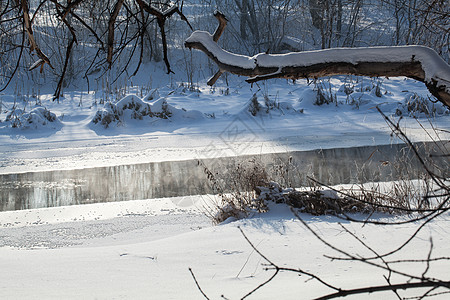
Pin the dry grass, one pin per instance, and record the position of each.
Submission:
(249, 188)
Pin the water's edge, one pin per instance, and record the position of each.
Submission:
(183, 178)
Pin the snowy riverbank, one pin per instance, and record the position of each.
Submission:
(143, 249)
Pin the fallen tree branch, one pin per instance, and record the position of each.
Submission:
(417, 62)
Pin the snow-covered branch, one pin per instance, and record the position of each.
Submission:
(417, 62)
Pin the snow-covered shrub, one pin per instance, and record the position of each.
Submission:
(133, 107)
(34, 119)
(416, 105)
(255, 108)
(346, 88)
(324, 93)
(247, 188)
(314, 201)
(393, 198)
(377, 89)
(361, 91)
(236, 191)
(357, 99)
(162, 110)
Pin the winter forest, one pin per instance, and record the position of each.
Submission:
(112, 39)
(226, 149)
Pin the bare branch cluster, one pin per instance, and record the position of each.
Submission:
(113, 29)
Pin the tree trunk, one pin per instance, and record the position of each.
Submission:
(417, 62)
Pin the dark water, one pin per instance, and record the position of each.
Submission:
(182, 178)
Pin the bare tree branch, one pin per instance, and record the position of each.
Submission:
(43, 59)
(381, 288)
(161, 17)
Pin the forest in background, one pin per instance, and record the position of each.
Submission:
(57, 43)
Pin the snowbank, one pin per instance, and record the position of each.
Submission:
(133, 107)
(37, 118)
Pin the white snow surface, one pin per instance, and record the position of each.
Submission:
(144, 249)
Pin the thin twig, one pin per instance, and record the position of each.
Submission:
(198, 285)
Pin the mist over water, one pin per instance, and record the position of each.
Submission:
(183, 178)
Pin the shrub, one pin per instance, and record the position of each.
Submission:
(324, 93)
(254, 107)
(236, 191)
(36, 118)
(247, 188)
(416, 105)
(134, 108)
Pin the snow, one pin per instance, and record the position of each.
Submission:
(206, 39)
(36, 64)
(141, 249)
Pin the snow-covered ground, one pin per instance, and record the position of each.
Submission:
(144, 249)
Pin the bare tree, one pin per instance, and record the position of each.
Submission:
(115, 36)
(109, 28)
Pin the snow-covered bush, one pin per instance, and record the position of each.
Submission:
(324, 94)
(36, 118)
(245, 189)
(236, 190)
(132, 107)
(314, 201)
(415, 105)
(255, 108)
(360, 91)
(358, 99)
(393, 198)
(346, 88)
(248, 187)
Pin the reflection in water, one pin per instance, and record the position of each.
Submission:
(182, 178)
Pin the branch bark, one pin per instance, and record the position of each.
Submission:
(58, 90)
(112, 21)
(222, 24)
(388, 287)
(161, 17)
(417, 62)
(43, 59)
